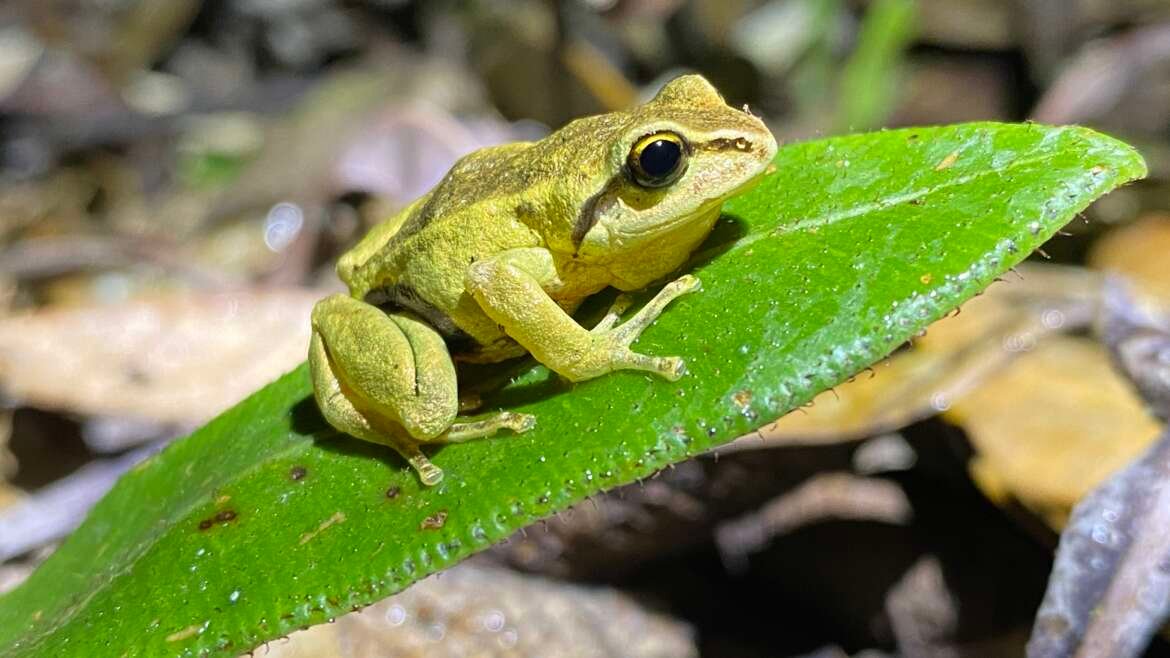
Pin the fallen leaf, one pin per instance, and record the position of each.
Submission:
(826, 497)
(475, 611)
(1053, 425)
(1109, 591)
(178, 359)
(1139, 252)
(1139, 342)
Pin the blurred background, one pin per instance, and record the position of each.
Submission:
(177, 179)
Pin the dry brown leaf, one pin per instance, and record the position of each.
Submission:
(8, 493)
(1139, 251)
(175, 359)
(1053, 425)
(471, 610)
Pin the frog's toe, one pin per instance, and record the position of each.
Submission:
(429, 474)
(685, 284)
(670, 368)
(469, 402)
(620, 305)
(519, 423)
(474, 429)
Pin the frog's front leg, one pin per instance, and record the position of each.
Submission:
(388, 378)
(510, 287)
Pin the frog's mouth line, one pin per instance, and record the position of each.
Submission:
(702, 210)
(597, 204)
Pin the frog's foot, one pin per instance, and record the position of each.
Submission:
(505, 420)
(458, 433)
(614, 352)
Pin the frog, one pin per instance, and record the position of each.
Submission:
(492, 263)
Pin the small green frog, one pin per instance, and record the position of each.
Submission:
(492, 262)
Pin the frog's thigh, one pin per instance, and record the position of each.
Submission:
(340, 412)
(390, 365)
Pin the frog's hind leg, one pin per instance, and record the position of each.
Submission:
(385, 378)
(341, 413)
(388, 378)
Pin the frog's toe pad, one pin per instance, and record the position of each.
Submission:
(686, 283)
(519, 423)
(672, 368)
(430, 474)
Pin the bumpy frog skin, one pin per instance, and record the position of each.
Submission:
(491, 263)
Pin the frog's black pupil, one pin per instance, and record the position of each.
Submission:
(660, 158)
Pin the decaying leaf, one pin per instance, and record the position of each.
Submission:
(1110, 587)
(483, 612)
(832, 496)
(176, 359)
(1140, 252)
(1139, 341)
(1053, 425)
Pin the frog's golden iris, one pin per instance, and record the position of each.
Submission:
(659, 159)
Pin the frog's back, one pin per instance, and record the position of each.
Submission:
(492, 200)
(373, 261)
(482, 177)
(418, 259)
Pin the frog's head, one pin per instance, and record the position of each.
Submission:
(669, 168)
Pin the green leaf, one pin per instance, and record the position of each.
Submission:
(264, 521)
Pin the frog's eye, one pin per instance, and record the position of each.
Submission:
(657, 160)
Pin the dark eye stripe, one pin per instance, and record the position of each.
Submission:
(591, 211)
(727, 144)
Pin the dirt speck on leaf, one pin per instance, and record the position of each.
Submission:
(221, 517)
(434, 521)
(742, 398)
